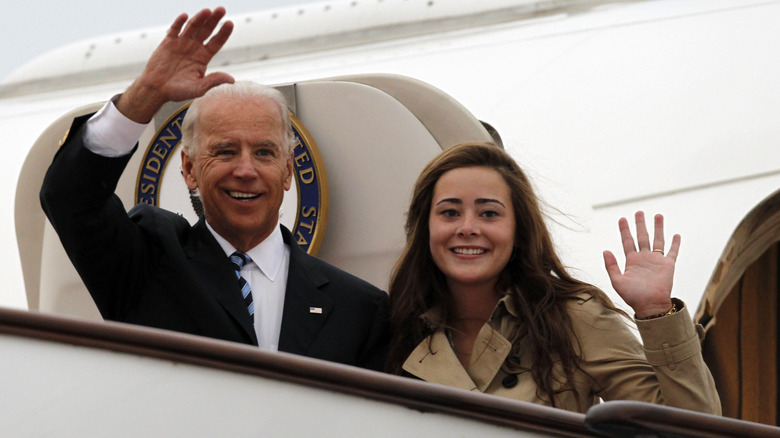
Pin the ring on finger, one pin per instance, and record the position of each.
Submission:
(659, 250)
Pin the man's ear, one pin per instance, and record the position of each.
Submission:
(187, 167)
(288, 179)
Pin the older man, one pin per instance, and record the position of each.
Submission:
(237, 274)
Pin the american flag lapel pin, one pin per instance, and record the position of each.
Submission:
(315, 309)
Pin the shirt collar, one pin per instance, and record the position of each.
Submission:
(266, 255)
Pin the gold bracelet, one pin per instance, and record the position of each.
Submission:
(671, 311)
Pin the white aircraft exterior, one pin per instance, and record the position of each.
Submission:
(610, 106)
(665, 106)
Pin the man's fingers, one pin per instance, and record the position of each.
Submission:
(214, 79)
(175, 28)
(201, 26)
(212, 21)
(194, 28)
(217, 41)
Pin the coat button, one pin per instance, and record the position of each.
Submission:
(509, 381)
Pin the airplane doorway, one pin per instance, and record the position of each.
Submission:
(740, 314)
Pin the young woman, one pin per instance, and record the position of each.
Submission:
(479, 300)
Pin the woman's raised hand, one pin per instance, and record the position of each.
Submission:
(646, 283)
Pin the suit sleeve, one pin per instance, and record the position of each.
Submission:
(100, 239)
(668, 369)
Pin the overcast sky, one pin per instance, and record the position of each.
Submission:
(31, 28)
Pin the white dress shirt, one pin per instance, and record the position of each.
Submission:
(110, 134)
(267, 277)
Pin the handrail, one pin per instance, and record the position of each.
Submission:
(632, 418)
(419, 395)
(616, 418)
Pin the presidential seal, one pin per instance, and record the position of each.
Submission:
(304, 208)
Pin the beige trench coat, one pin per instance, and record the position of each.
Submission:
(669, 369)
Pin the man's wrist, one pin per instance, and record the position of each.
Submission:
(139, 103)
(109, 133)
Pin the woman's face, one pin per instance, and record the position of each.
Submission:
(472, 226)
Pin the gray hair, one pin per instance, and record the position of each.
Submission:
(237, 90)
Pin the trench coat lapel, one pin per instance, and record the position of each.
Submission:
(490, 351)
(440, 364)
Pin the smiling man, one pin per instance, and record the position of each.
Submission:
(241, 162)
(237, 274)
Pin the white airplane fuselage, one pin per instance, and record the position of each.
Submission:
(665, 106)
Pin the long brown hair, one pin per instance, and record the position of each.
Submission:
(534, 277)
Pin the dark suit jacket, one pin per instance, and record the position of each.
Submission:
(150, 267)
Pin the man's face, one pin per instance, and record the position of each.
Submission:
(241, 168)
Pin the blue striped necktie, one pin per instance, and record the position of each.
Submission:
(239, 260)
